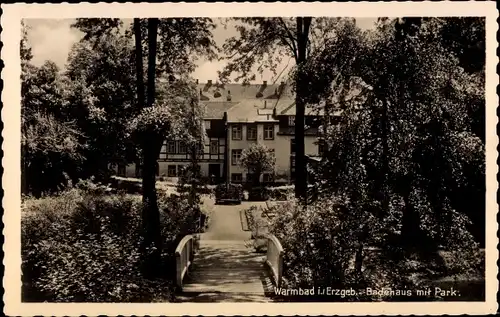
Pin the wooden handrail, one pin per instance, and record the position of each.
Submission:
(274, 258)
(183, 258)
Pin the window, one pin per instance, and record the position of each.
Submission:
(171, 147)
(291, 121)
(292, 146)
(207, 124)
(252, 132)
(236, 177)
(172, 171)
(235, 157)
(214, 146)
(182, 148)
(269, 132)
(267, 178)
(292, 162)
(236, 132)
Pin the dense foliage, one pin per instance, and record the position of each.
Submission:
(229, 193)
(398, 195)
(403, 154)
(258, 159)
(84, 245)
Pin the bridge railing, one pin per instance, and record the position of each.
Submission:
(184, 254)
(274, 258)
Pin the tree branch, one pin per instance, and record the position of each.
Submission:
(292, 45)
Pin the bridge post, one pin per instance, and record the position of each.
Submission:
(274, 258)
(184, 254)
(178, 269)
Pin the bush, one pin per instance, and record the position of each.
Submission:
(258, 194)
(128, 185)
(281, 192)
(322, 242)
(83, 246)
(229, 193)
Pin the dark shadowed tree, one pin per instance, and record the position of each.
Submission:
(264, 42)
(51, 151)
(171, 47)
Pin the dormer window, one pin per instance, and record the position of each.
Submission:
(207, 124)
(291, 121)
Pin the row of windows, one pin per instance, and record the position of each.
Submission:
(237, 132)
(179, 147)
(238, 177)
(175, 170)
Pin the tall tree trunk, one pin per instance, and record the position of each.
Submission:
(300, 104)
(150, 142)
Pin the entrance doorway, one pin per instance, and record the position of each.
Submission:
(214, 173)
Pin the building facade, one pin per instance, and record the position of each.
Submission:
(237, 116)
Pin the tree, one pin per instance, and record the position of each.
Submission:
(101, 98)
(172, 45)
(51, 152)
(410, 121)
(262, 40)
(258, 159)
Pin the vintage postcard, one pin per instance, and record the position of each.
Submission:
(250, 159)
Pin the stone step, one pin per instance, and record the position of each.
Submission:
(221, 297)
(247, 288)
(204, 242)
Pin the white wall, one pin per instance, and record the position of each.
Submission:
(281, 145)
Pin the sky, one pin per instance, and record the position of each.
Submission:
(52, 40)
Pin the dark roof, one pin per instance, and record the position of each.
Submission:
(216, 109)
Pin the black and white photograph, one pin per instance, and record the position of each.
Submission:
(312, 157)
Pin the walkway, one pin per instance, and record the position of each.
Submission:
(226, 267)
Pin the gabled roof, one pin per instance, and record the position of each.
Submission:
(251, 110)
(213, 91)
(216, 109)
(287, 108)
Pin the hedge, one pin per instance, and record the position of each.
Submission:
(229, 192)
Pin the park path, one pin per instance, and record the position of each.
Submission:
(226, 267)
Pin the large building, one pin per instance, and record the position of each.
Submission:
(238, 115)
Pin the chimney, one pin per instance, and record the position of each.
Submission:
(197, 81)
(264, 83)
(228, 95)
(209, 82)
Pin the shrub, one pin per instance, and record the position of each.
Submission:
(83, 246)
(281, 192)
(228, 192)
(128, 185)
(258, 194)
(322, 242)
